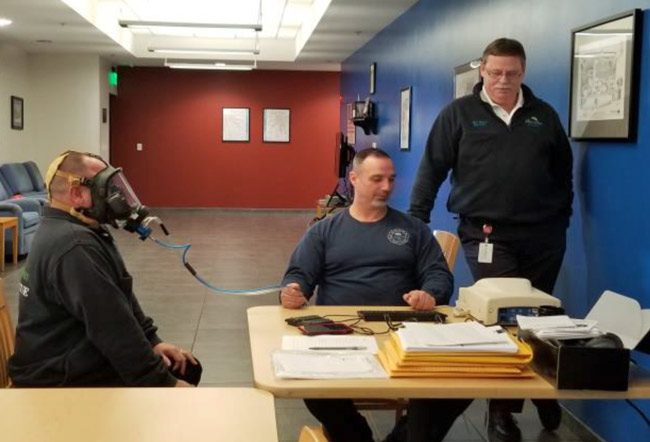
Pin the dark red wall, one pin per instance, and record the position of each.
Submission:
(176, 115)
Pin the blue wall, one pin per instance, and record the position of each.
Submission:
(609, 236)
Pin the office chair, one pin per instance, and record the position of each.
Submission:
(6, 338)
(449, 243)
(312, 434)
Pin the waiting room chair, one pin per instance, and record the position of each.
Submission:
(24, 179)
(7, 338)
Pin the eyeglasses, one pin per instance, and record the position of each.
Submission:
(495, 74)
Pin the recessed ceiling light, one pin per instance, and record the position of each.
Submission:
(5, 21)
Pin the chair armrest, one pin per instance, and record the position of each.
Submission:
(11, 209)
(28, 204)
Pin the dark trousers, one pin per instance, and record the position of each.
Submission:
(531, 251)
(341, 419)
(428, 420)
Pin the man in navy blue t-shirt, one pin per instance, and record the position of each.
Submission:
(371, 254)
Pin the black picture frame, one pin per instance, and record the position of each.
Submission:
(17, 113)
(373, 78)
(277, 125)
(605, 62)
(465, 77)
(405, 118)
(235, 124)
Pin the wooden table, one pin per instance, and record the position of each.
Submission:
(137, 415)
(8, 222)
(266, 326)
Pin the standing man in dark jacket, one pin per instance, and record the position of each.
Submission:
(511, 185)
(79, 323)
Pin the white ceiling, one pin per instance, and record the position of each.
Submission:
(306, 34)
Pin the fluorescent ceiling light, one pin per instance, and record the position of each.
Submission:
(206, 51)
(167, 24)
(218, 66)
(5, 21)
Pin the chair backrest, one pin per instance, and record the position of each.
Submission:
(449, 243)
(312, 434)
(35, 175)
(17, 176)
(6, 337)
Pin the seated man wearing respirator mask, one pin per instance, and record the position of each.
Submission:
(79, 323)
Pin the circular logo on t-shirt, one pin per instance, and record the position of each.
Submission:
(399, 237)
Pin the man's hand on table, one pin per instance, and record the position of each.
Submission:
(419, 300)
(291, 296)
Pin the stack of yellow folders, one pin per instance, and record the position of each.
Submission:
(468, 350)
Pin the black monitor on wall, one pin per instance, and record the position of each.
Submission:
(343, 155)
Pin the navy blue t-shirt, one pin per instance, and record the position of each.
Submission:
(356, 263)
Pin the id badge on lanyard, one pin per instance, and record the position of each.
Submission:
(486, 248)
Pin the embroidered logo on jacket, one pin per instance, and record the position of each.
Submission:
(533, 122)
(399, 237)
(479, 123)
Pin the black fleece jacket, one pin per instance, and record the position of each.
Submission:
(517, 174)
(79, 322)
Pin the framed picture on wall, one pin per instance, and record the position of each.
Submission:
(277, 124)
(605, 78)
(350, 128)
(465, 77)
(17, 113)
(373, 77)
(236, 122)
(405, 119)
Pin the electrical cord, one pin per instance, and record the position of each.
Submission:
(185, 249)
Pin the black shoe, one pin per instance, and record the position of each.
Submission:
(550, 413)
(503, 427)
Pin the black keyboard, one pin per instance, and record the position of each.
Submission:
(402, 316)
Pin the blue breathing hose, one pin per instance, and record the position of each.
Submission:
(186, 247)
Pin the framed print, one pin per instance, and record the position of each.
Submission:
(405, 119)
(277, 124)
(236, 124)
(350, 128)
(605, 78)
(465, 77)
(373, 77)
(17, 113)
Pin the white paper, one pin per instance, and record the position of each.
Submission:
(544, 322)
(461, 337)
(326, 365)
(330, 343)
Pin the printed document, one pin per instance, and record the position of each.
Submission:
(326, 365)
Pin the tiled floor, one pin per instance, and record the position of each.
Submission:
(237, 250)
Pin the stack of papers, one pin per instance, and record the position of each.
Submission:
(558, 327)
(459, 337)
(455, 350)
(327, 357)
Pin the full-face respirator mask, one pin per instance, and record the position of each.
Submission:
(115, 203)
(113, 200)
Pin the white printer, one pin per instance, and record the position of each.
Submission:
(500, 300)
